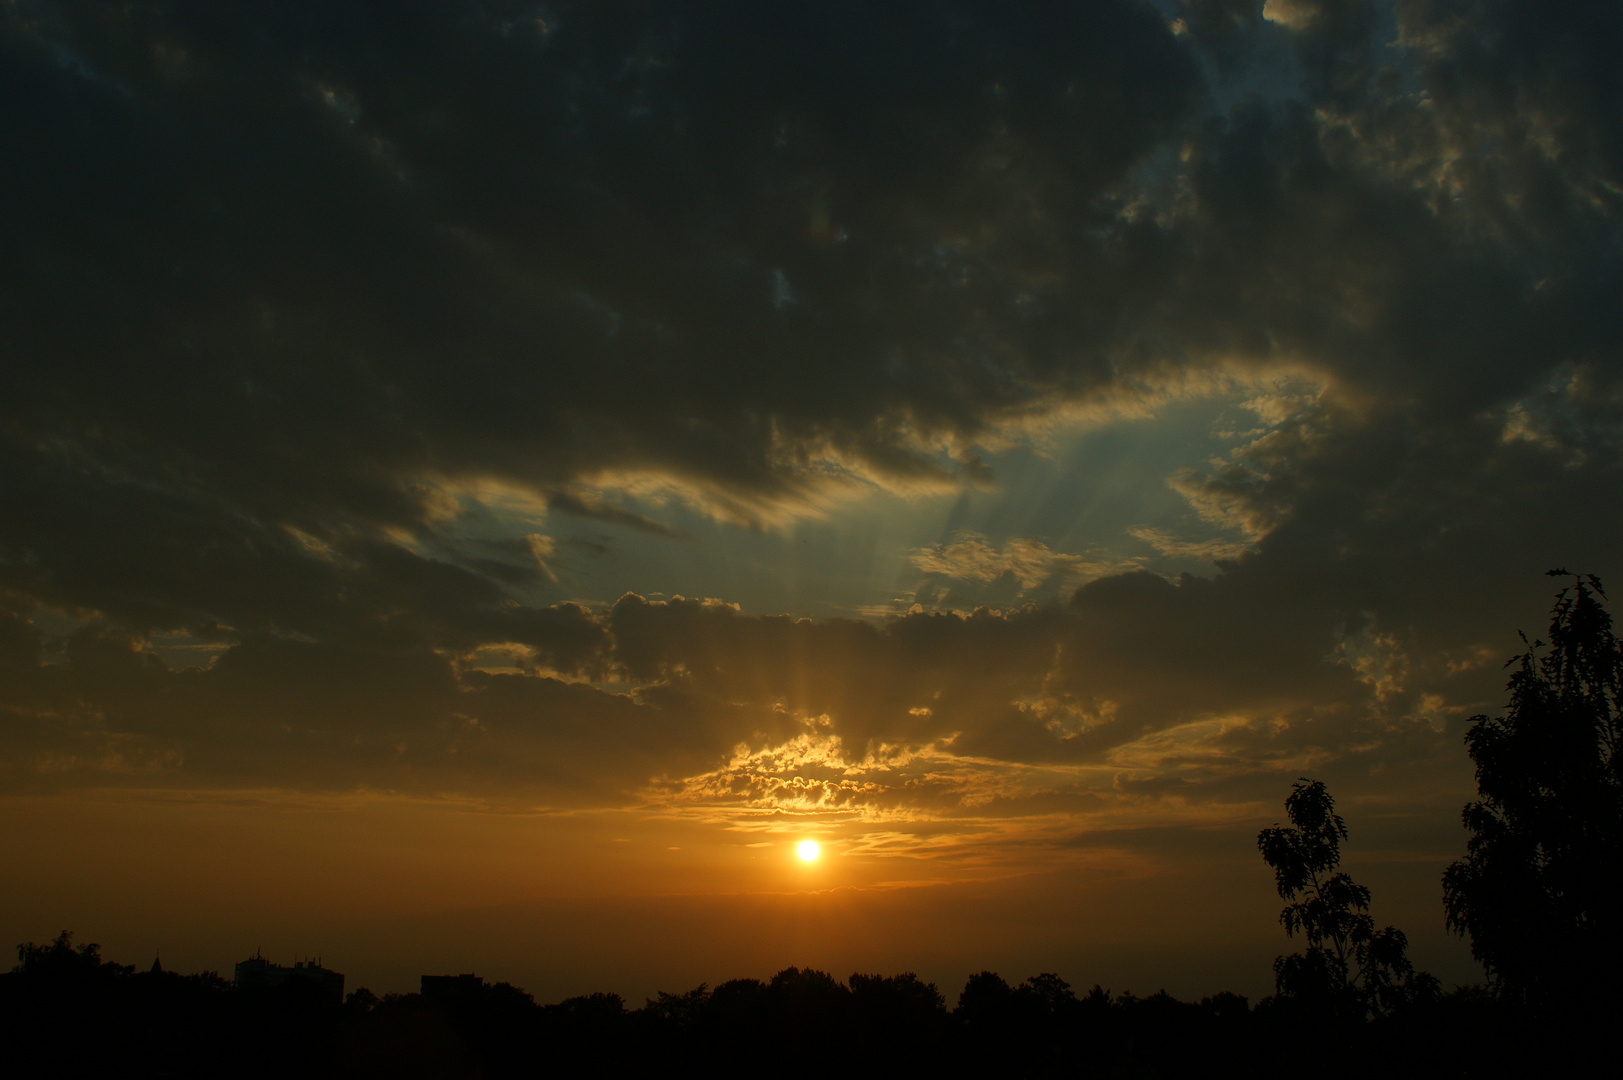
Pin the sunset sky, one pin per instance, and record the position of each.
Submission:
(481, 482)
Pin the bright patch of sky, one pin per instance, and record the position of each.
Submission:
(1070, 505)
(1271, 69)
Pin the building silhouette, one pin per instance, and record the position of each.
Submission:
(257, 973)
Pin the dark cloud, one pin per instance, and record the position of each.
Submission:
(690, 683)
(287, 290)
(327, 245)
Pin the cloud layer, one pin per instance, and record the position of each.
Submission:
(318, 318)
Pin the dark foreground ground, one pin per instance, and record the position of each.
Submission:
(78, 1015)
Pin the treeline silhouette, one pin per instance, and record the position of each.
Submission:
(70, 1012)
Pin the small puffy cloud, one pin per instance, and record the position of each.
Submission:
(1294, 14)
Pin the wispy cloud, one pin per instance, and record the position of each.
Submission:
(971, 557)
(1171, 546)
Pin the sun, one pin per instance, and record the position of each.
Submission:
(808, 850)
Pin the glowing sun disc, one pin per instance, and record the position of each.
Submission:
(808, 850)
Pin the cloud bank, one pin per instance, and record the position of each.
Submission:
(317, 316)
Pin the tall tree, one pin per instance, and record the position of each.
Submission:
(1349, 966)
(1538, 892)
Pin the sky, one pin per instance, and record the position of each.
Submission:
(480, 482)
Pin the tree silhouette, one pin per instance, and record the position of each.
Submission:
(1538, 890)
(681, 1010)
(1349, 968)
(62, 962)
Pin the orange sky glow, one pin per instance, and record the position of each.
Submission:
(479, 487)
